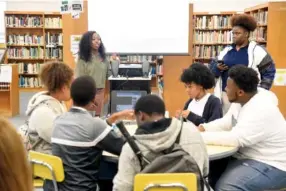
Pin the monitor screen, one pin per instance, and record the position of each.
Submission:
(122, 100)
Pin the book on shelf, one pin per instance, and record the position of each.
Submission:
(213, 37)
(135, 58)
(259, 35)
(23, 52)
(23, 21)
(54, 39)
(4, 86)
(212, 21)
(29, 68)
(54, 53)
(17, 39)
(53, 22)
(207, 52)
(30, 82)
(261, 17)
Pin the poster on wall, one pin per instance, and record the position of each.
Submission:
(76, 6)
(280, 77)
(75, 39)
(65, 7)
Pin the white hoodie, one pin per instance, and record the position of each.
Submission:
(191, 141)
(258, 128)
(43, 109)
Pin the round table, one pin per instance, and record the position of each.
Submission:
(215, 152)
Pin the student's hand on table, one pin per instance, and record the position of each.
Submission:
(201, 128)
(126, 114)
(222, 67)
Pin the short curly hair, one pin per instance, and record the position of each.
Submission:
(245, 21)
(245, 78)
(55, 75)
(199, 74)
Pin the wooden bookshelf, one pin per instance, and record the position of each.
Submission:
(9, 95)
(33, 38)
(212, 32)
(274, 28)
(260, 13)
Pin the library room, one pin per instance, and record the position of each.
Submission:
(133, 95)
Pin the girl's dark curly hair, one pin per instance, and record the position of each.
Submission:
(85, 49)
(245, 21)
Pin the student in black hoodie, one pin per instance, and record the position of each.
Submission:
(202, 107)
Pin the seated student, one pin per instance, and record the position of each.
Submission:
(45, 106)
(15, 169)
(157, 133)
(202, 107)
(79, 138)
(259, 129)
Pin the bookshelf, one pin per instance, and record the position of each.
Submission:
(9, 93)
(271, 34)
(33, 38)
(212, 32)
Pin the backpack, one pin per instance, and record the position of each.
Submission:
(171, 160)
(26, 135)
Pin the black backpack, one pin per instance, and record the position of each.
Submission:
(171, 160)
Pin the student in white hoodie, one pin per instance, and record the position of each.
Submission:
(258, 128)
(45, 106)
(157, 133)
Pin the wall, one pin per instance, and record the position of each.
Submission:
(199, 5)
(33, 5)
(224, 5)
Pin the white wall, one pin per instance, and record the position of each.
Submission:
(33, 5)
(199, 5)
(224, 5)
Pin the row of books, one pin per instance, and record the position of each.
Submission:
(52, 53)
(29, 82)
(213, 37)
(260, 34)
(261, 17)
(4, 86)
(212, 22)
(25, 39)
(52, 38)
(54, 22)
(136, 58)
(33, 52)
(29, 68)
(207, 51)
(24, 21)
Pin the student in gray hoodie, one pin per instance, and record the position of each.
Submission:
(157, 133)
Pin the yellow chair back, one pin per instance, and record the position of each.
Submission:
(165, 182)
(47, 166)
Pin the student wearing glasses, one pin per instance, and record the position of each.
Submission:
(244, 52)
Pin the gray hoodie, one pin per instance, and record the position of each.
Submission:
(42, 110)
(157, 138)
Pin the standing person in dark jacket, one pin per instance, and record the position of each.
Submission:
(79, 139)
(244, 52)
(202, 107)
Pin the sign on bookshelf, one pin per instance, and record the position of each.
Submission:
(280, 77)
(6, 73)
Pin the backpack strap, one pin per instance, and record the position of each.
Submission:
(27, 122)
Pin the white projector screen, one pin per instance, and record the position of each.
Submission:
(141, 26)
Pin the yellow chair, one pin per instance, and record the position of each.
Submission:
(166, 181)
(47, 167)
